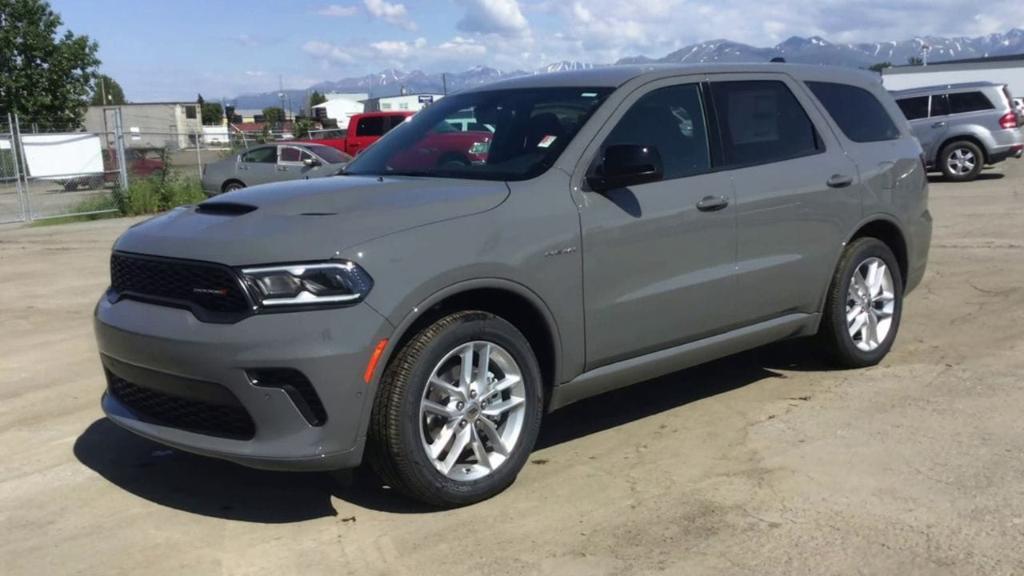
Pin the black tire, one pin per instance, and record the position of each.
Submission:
(834, 333)
(71, 185)
(232, 185)
(965, 147)
(394, 447)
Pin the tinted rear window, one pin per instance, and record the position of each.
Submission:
(857, 112)
(914, 108)
(761, 121)
(370, 126)
(968, 102)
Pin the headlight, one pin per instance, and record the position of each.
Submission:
(330, 283)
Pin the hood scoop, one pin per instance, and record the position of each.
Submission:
(224, 208)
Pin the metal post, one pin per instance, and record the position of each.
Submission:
(199, 157)
(119, 138)
(21, 153)
(18, 191)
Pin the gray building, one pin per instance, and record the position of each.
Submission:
(999, 69)
(171, 125)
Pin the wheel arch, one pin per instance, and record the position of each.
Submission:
(889, 232)
(973, 139)
(510, 300)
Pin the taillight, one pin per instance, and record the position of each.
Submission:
(1009, 120)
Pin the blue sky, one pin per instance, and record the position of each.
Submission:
(174, 49)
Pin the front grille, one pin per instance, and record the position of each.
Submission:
(211, 291)
(227, 421)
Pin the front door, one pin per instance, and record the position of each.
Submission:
(258, 166)
(658, 258)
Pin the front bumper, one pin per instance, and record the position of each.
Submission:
(166, 347)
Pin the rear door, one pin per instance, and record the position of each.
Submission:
(795, 192)
(927, 120)
(258, 165)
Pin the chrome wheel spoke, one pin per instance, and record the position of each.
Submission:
(462, 438)
(498, 408)
(858, 323)
(479, 450)
(431, 407)
(447, 388)
(490, 430)
(443, 440)
(466, 369)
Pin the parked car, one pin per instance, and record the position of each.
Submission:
(141, 162)
(962, 127)
(365, 129)
(627, 222)
(272, 163)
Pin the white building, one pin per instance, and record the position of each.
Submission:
(340, 107)
(999, 69)
(405, 102)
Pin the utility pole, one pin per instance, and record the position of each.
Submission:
(103, 90)
(444, 83)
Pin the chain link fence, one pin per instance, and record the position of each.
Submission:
(46, 172)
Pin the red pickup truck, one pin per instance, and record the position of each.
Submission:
(439, 147)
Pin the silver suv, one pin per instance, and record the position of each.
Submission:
(962, 127)
(620, 224)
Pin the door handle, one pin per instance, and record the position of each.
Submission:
(939, 125)
(839, 181)
(712, 203)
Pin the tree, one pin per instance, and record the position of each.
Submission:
(213, 113)
(302, 127)
(273, 114)
(915, 61)
(44, 77)
(104, 85)
(316, 98)
(880, 66)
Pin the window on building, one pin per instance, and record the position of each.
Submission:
(961, 102)
(761, 121)
(914, 108)
(670, 119)
(858, 113)
(190, 112)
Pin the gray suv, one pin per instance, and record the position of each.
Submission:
(962, 127)
(621, 224)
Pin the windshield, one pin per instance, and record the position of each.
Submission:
(330, 155)
(495, 135)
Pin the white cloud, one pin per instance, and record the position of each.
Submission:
(395, 14)
(327, 52)
(338, 11)
(459, 46)
(502, 17)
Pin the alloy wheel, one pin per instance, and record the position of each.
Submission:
(472, 411)
(961, 161)
(870, 304)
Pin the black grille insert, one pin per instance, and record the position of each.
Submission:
(158, 407)
(211, 291)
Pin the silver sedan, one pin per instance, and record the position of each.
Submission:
(272, 163)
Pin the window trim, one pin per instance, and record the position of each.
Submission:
(821, 146)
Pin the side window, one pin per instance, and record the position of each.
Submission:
(860, 115)
(370, 126)
(289, 155)
(266, 155)
(394, 122)
(968, 102)
(672, 120)
(761, 121)
(914, 108)
(940, 105)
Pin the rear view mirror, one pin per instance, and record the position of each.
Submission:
(625, 165)
(310, 161)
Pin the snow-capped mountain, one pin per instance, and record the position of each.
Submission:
(812, 50)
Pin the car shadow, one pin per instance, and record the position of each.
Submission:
(936, 178)
(221, 489)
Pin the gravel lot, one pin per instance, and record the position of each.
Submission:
(763, 463)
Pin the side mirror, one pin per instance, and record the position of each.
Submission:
(311, 162)
(626, 165)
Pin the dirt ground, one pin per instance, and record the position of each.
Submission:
(763, 463)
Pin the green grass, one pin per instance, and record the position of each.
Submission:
(94, 204)
(152, 195)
